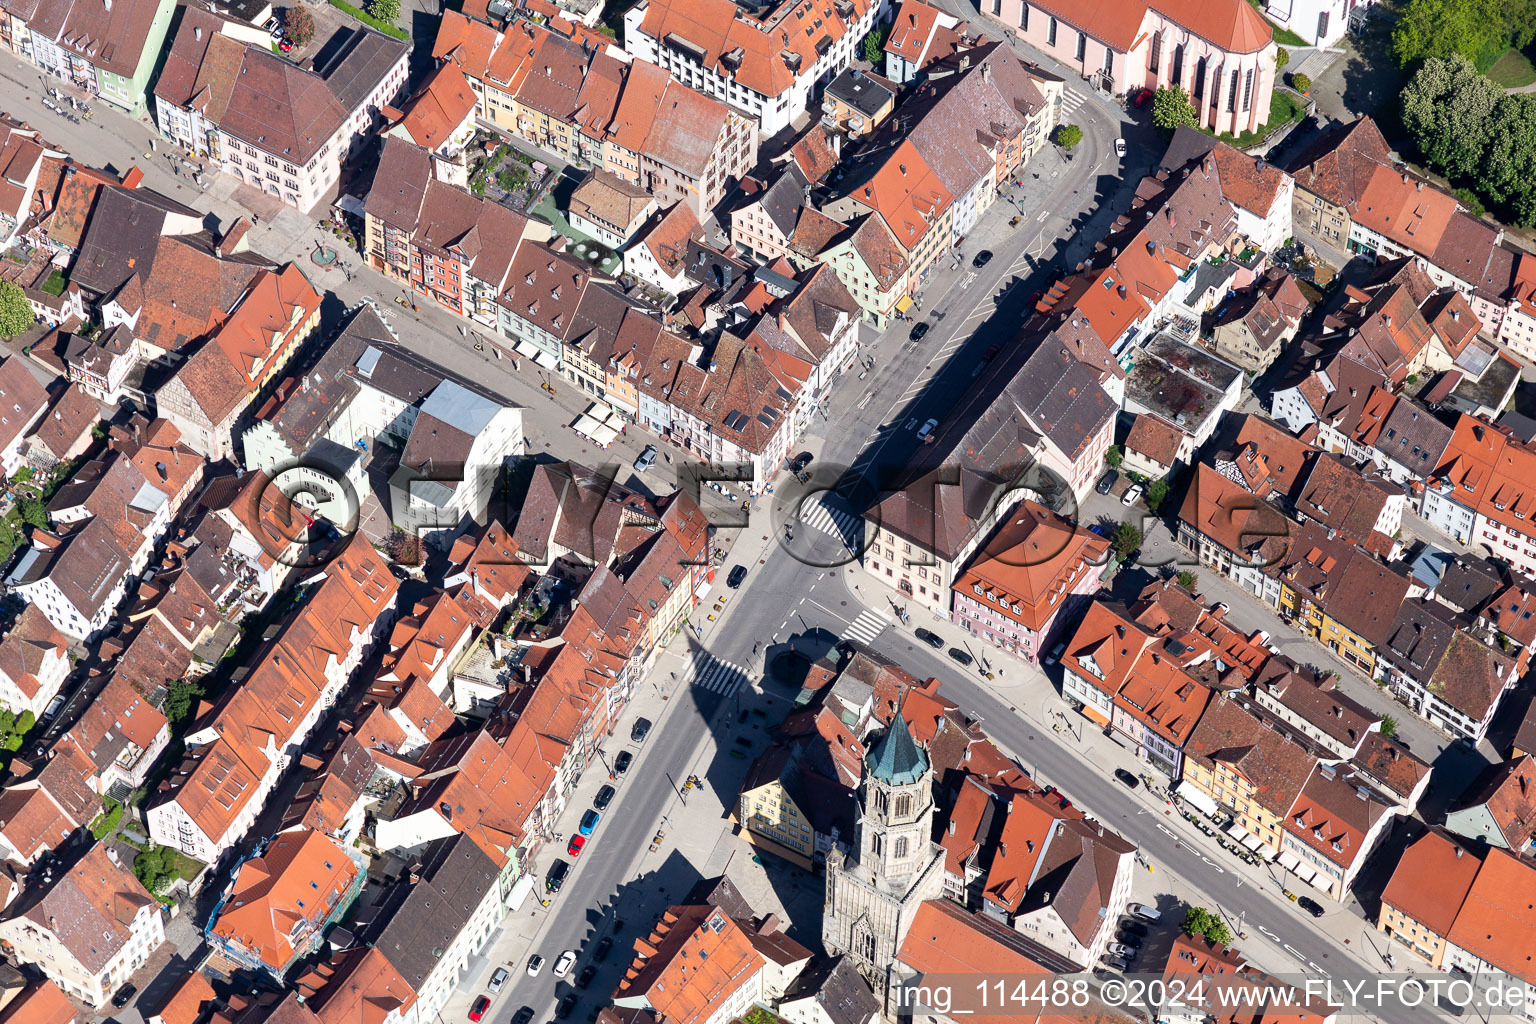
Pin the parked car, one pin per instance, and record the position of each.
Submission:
(927, 428)
(585, 978)
(961, 656)
(477, 1011)
(1127, 778)
(1121, 950)
(982, 259)
(1132, 495)
(1141, 98)
(1127, 939)
(1310, 905)
(1120, 148)
(124, 996)
(601, 953)
(1107, 482)
(603, 799)
(498, 979)
(738, 574)
(285, 45)
(536, 962)
(930, 638)
(589, 822)
(801, 461)
(1117, 963)
(271, 25)
(1131, 926)
(566, 1006)
(574, 847)
(918, 330)
(641, 729)
(1144, 912)
(523, 1016)
(556, 877)
(1056, 653)
(646, 459)
(622, 762)
(564, 964)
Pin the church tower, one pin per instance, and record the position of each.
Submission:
(896, 804)
(874, 893)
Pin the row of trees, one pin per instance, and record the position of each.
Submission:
(1468, 129)
(1480, 30)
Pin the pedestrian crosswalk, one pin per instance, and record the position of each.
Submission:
(867, 626)
(1071, 99)
(716, 676)
(830, 514)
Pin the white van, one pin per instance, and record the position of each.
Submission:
(1144, 912)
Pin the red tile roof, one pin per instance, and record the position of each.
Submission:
(1031, 564)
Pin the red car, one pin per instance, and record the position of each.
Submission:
(577, 842)
(285, 46)
(478, 1010)
(1142, 98)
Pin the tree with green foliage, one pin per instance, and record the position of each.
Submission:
(33, 512)
(1068, 136)
(181, 701)
(1506, 173)
(16, 314)
(874, 43)
(299, 24)
(154, 867)
(1204, 923)
(387, 11)
(1301, 83)
(1282, 58)
(1448, 109)
(1114, 457)
(1187, 579)
(1157, 493)
(1388, 726)
(1476, 29)
(1171, 108)
(1127, 538)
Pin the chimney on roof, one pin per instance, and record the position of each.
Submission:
(1455, 315)
(1172, 221)
(197, 33)
(1458, 853)
(1421, 186)
(1405, 177)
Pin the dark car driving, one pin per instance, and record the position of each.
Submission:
(982, 258)
(918, 330)
(931, 639)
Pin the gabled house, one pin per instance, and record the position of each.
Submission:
(34, 662)
(1499, 808)
(87, 927)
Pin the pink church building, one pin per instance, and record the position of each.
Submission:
(1221, 51)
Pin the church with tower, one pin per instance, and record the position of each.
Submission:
(873, 895)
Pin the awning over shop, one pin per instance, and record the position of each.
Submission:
(594, 431)
(1252, 841)
(520, 890)
(1236, 831)
(1095, 714)
(1288, 860)
(1320, 882)
(1305, 872)
(1198, 800)
(905, 304)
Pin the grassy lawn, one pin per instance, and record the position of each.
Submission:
(107, 821)
(1513, 70)
(1284, 107)
(56, 281)
(1283, 36)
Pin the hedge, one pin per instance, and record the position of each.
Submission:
(371, 21)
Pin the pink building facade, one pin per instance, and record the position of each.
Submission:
(1220, 51)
